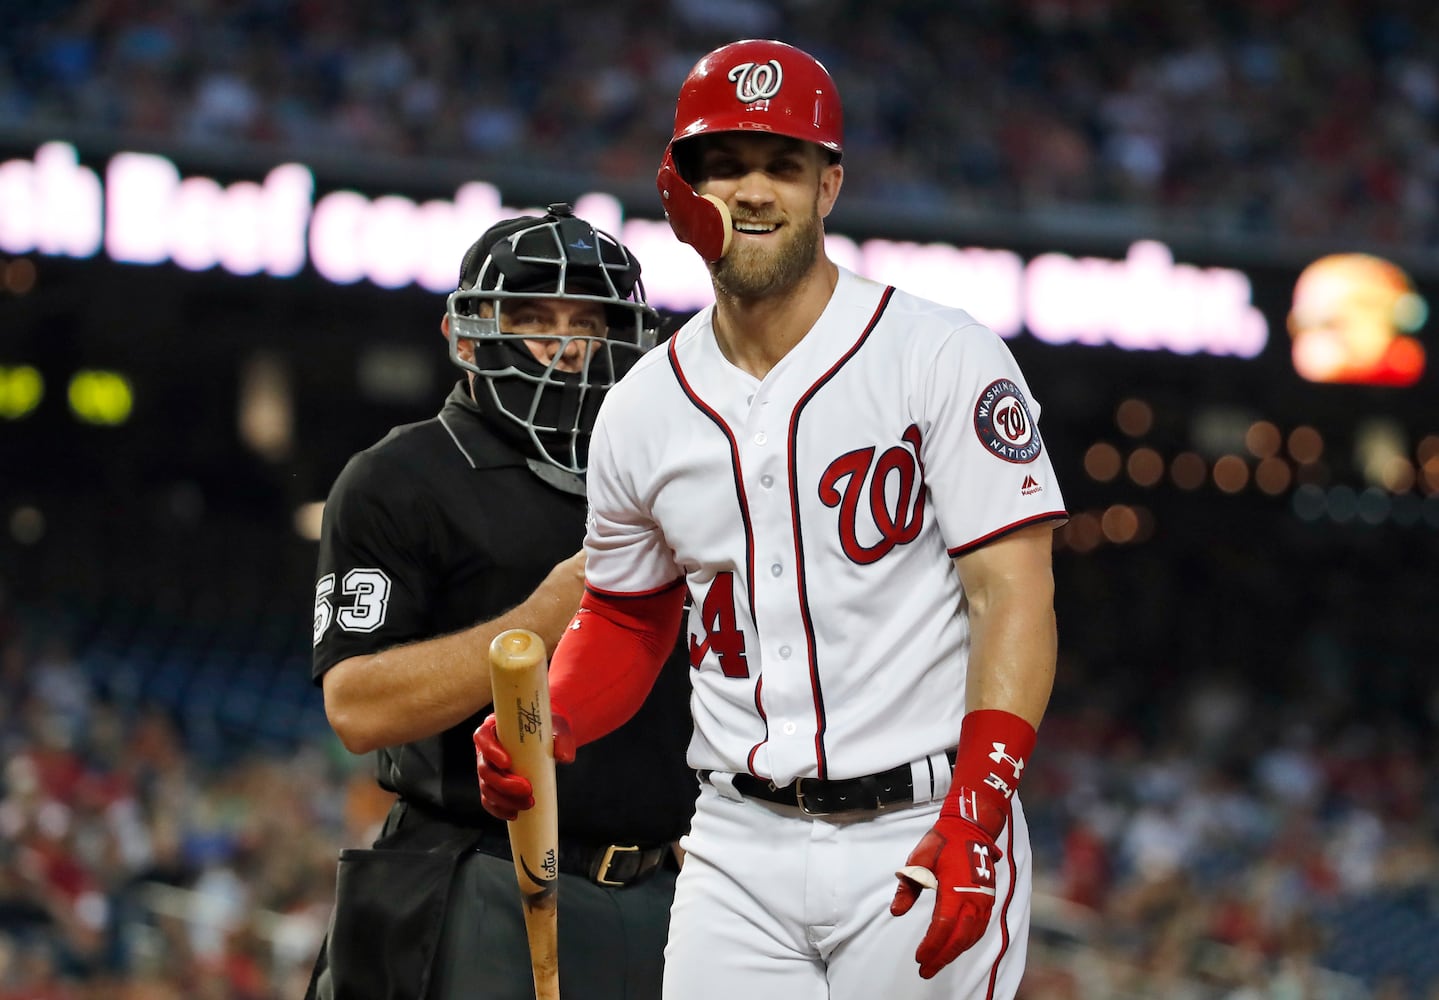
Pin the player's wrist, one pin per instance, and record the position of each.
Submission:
(994, 749)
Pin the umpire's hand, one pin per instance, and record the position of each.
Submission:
(504, 793)
(962, 857)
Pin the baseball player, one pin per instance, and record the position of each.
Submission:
(431, 541)
(850, 483)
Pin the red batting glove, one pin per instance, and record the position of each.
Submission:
(960, 849)
(962, 857)
(504, 793)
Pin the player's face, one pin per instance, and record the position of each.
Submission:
(778, 190)
(548, 324)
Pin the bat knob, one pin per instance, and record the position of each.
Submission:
(515, 641)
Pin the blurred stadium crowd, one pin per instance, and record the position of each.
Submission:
(1316, 119)
(1237, 796)
(1236, 800)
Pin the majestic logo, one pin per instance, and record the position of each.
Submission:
(1030, 486)
(756, 81)
(898, 518)
(1003, 423)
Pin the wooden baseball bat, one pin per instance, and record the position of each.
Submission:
(519, 680)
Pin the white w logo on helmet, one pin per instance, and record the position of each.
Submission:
(756, 81)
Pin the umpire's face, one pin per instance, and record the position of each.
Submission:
(558, 332)
(778, 191)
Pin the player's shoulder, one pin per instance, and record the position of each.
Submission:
(920, 330)
(930, 335)
(399, 453)
(915, 315)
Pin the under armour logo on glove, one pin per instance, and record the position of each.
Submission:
(983, 871)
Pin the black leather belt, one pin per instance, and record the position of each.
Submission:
(613, 865)
(822, 797)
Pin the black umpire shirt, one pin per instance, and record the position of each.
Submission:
(442, 525)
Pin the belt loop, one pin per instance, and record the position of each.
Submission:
(932, 777)
(943, 769)
(922, 777)
(723, 782)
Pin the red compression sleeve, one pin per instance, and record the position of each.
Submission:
(610, 656)
(994, 747)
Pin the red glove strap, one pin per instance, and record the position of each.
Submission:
(994, 747)
(609, 657)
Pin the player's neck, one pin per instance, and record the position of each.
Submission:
(754, 334)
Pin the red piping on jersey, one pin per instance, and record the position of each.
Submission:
(1004, 911)
(718, 421)
(1007, 529)
(821, 762)
(758, 707)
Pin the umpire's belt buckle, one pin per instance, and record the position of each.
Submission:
(601, 875)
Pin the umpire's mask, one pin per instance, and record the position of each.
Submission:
(554, 257)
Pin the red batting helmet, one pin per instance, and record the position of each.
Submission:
(755, 85)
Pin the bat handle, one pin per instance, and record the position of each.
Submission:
(520, 686)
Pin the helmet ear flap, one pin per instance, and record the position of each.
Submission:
(702, 221)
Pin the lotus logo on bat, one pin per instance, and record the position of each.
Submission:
(545, 879)
(1003, 423)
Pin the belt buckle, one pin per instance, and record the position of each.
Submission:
(799, 800)
(602, 867)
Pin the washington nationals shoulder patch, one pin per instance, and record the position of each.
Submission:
(1003, 423)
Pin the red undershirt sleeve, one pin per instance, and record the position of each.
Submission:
(610, 656)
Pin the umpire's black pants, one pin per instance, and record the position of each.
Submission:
(415, 925)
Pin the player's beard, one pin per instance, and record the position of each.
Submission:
(751, 271)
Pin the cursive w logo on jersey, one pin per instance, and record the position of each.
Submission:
(897, 520)
(756, 81)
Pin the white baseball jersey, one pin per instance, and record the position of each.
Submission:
(815, 515)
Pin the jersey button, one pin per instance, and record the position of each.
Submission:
(789, 728)
(761, 438)
(766, 481)
(784, 652)
(776, 570)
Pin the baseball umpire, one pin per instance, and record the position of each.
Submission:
(431, 540)
(850, 483)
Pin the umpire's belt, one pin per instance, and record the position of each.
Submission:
(614, 865)
(822, 796)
